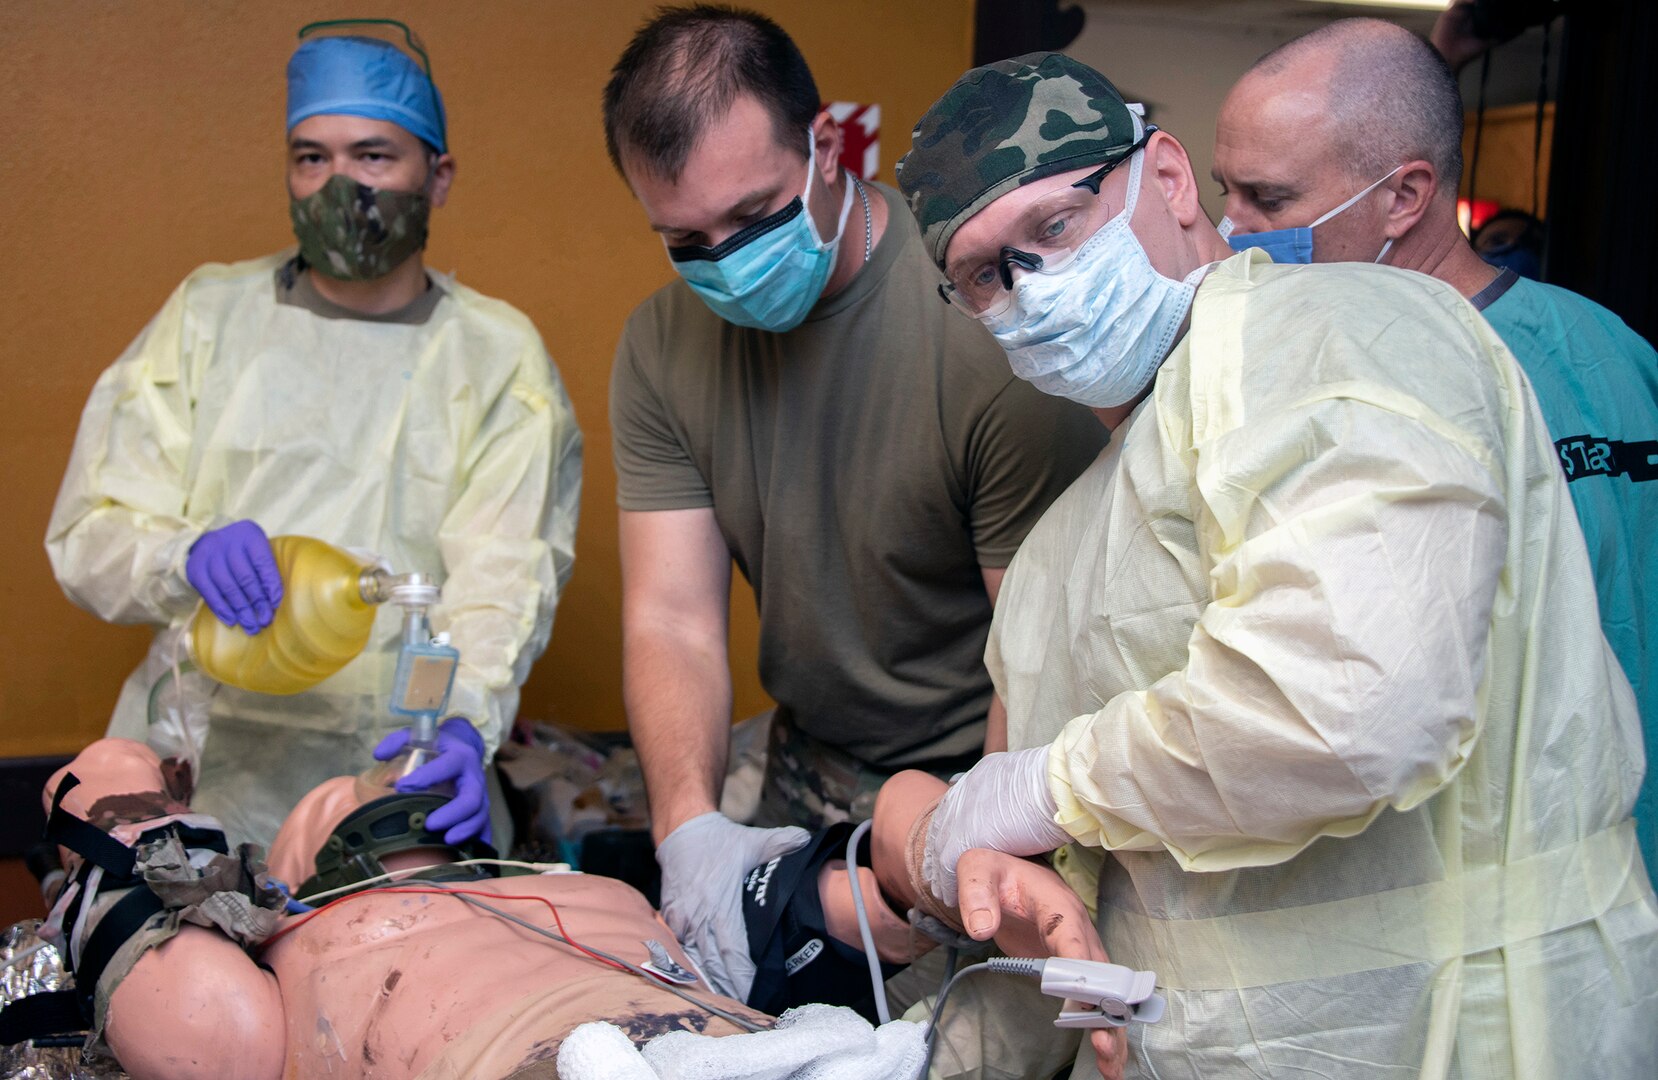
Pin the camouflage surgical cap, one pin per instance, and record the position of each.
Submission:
(1004, 125)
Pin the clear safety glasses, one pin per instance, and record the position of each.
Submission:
(1045, 240)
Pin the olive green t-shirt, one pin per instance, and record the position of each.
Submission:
(862, 468)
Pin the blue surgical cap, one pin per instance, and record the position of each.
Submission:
(357, 76)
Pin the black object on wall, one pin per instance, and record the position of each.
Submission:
(1007, 28)
(1603, 213)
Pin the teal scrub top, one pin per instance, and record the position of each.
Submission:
(1597, 383)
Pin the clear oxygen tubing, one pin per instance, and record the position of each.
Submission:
(174, 676)
(169, 677)
(882, 1009)
(176, 670)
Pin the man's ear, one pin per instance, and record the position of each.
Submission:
(826, 133)
(443, 175)
(1171, 171)
(1414, 188)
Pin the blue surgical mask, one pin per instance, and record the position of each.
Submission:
(1096, 330)
(769, 274)
(1295, 245)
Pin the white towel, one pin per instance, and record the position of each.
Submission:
(601, 1052)
(814, 1042)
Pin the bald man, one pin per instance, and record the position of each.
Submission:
(1345, 145)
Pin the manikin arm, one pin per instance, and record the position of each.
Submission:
(1023, 904)
(198, 1006)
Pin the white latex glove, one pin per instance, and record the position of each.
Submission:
(703, 865)
(1003, 803)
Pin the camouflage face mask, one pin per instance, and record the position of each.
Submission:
(353, 232)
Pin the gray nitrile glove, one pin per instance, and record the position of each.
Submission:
(703, 865)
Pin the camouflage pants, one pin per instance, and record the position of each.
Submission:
(811, 783)
(814, 785)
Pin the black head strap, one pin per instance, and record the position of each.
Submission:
(85, 839)
(45, 1018)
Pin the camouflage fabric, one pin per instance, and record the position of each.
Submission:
(812, 784)
(1004, 125)
(353, 232)
(815, 785)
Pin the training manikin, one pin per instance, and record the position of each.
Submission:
(394, 984)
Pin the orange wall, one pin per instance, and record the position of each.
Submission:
(1506, 163)
(138, 140)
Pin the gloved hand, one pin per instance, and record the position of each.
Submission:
(460, 759)
(236, 574)
(703, 865)
(1003, 803)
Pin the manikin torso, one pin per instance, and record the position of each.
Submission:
(392, 985)
(420, 985)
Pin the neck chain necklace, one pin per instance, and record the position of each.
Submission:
(869, 226)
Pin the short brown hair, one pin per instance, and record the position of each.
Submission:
(683, 70)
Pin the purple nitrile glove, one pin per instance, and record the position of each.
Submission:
(236, 574)
(460, 760)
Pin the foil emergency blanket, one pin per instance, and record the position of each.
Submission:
(36, 972)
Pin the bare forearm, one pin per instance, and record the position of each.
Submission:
(678, 698)
(995, 728)
(676, 577)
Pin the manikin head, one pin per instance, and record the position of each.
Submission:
(712, 117)
(1354, 130)
(367, 155)
(1064, 222)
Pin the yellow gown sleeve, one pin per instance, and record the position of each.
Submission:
(119, 532)
(1354, 540)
